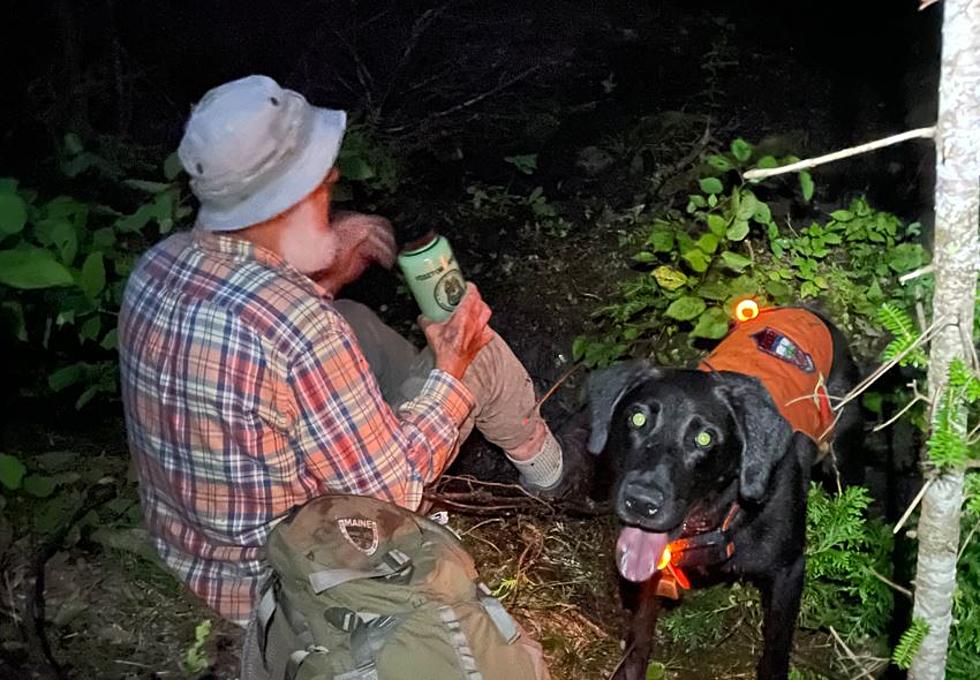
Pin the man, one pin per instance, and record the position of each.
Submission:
(249, 388)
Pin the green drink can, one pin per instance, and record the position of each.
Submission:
(433, 275)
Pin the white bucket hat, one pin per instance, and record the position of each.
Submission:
(254, 149)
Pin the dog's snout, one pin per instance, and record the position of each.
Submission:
(642, 501)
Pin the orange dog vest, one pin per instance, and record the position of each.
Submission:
(790, 351)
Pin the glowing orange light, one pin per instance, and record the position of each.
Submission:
(664, 559)
(746, 310)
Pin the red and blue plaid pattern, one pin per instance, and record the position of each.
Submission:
(245, 395)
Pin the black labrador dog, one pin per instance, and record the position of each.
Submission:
(705, 461)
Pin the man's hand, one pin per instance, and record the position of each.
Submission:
(361, 240)
(457, 340)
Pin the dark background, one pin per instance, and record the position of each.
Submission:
(838, 71)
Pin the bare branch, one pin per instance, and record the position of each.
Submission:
(919, 133)
(915, 502)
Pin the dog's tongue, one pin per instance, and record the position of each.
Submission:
(637, 553)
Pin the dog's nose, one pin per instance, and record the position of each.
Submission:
(642, 501)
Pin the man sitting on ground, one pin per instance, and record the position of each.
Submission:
(250, 389)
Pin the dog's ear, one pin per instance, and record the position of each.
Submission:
(605, 388)
(764, 432)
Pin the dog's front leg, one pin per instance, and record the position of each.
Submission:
(643, 600)
(780, 607)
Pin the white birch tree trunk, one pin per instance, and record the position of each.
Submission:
(955, 259)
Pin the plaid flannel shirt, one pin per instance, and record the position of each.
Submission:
(245, 395)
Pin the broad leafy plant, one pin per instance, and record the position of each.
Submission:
(728, 242)
(63, 267)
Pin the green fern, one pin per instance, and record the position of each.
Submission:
(908, 645)
(971, 492)
(947, 443)
(900, 324)
(964, 379)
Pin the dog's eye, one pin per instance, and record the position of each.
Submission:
(703, 439)
(638, 419)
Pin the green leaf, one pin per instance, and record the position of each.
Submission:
(734, 261)
(355, 168)
(696, 201)
(711, 185)
(719, 162)
(713, 290)
(762, 214)
(738, 231)
(55, 512)
(40, 486)
(713, 324)
(742, 150)
(103, 239)
(717, 224)
(579, 346)
(73, 145)
(148, 187)
(13, 214)
(696, 259)
(685, 308)
(779, 290)
(875, 294)
(767, 162)
(645, 257)
(905, 257)
(87, 396)
(746, 205)
(110, 340)
(661, 239)
(669, 278)
(92, 277)
(172, 167)
(873, 401)
(525, 163)
(31, 268)
(806, 184)
(67, 376)
(90, 329)
(8, 185)
(656, 671)
(708, 243)
(842, 215)
(11, 471)
(910, 642)
(60, 233)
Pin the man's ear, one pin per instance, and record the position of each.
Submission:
(764, 432)
(605, 388)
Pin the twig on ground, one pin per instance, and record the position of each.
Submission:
(919, 133)
(847, 650)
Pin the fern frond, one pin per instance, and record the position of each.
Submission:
(908, 645)
(898, 322)
(964, 379)
(971, 492)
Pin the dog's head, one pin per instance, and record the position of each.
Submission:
(676, 437)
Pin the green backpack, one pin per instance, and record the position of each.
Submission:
(365, 590)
